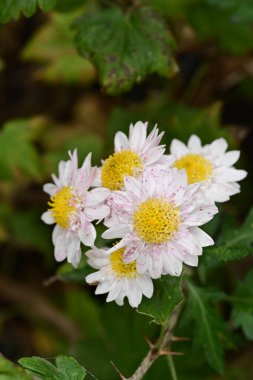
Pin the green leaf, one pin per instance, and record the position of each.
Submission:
(18, 133)
(125, 48)
(11, 9)
(8, 371)
(167, 295)
(242, 300)
(209, 326)
(67, 368)
(235, 243)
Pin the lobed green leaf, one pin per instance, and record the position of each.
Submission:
(235, 243)
(125, 48)
(209, 326)
(167, 295)
(242, 300)
(11, 9)
(8, 371)
(67, 368)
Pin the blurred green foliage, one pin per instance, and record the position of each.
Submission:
(126, 49)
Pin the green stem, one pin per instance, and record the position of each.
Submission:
(172, 367)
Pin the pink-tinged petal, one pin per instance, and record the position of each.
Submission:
(132, 186)
(179, 187)
(47, 217)
(194, 144)
(201, 215)
(137, 136)
(120, 142)
(58, 233)
(201, 236)
(116, 232)
(178, 149)
(231, 174)
(154, 155)
(97, 212)
(95, 196)
(87, 235)
(130, 254)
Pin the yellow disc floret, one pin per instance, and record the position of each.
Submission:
(197, 167)
(119, 267)
(119, 165)
(156, 221)
(63, 204)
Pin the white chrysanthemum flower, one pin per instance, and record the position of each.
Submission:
(132, 155)
(211, 165)
(116, 278)
(159, 224)
(73, 208)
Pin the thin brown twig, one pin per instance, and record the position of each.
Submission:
(156, 350)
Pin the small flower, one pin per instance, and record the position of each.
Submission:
(210, 165)
(132, 155)
(116, 278)
(73, 208)
(159, 224)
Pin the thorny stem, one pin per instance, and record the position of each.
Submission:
(157, 349)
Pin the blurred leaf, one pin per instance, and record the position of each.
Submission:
(209, 326)
(232, 37)
(234, 243)
(242, 300)
(29, 231)
(125, 48)
(52, 45)
(16, 149)
(8, 371)
(11, 9)
(67, 368)
(67, 5)
(167, 295)
(242, 11)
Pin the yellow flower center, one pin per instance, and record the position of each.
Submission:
(63, 204)
(197, 167)
(156, 221)
(119, 267)
(119, 165)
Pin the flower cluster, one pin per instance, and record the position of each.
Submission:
(152, 203)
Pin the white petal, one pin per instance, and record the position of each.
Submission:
(95, 196)
(137, 136)
(201, 215)
(178, 149)
(93, 278)
(219, 146)
(49, 188)
(116, 232)
(230, 158)
(74, 252)
(201, 236)
(120, 142)
(98, 212)
(146, 285)
(194, 144)
(87, 235)
(47, 217)
(231, 174)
